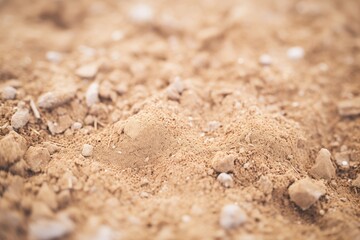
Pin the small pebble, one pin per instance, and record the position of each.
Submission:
(356, 182)
(37, 158)
(21, 116)
(12, 148)
(141, 13)
(87, 71)
(232, 216)
(76, 126)
(92, 94)
(265, 60)
(53, 56)
(50, 100)
(223, 162)
(349, 107)
(175, 89)
(9, 93)
(87, 150)
(295, 53)
(226, 180)
(305, 192)
(323, 167)
(46, 229)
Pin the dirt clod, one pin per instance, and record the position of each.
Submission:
(323, 167)
(223, 162)
(305, 192)
(37, 158)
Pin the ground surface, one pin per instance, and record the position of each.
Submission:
(150, 175)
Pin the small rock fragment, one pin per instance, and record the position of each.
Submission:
(92, 94)
(226, 180)
(350, 107)
(342, 160)
(305, 192)
(9, 93)
(121, 88)
(48, 196)
(53, 56)
(265, 60)
(64, 122)
(87, 71)
(175, 89)
(21, 116)
(323, 168)
(52, 148)
(12, 148)
(295, 53)
(54, 99)
(87, 150)
(356, 182)
(223, 162)
(141, 13)
(232, 216)
(37, 158)
(19, 168)
(76, 126)
(46, 229)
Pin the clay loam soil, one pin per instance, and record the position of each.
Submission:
(180, 119)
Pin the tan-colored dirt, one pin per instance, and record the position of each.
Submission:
(117, 118)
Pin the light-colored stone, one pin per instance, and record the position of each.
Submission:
(46, 229)
(226, 180)
(295, 53)
(232, 216)
(356, 182)
(265, 60)
(47, 196)
(76, 126)
(305, 192)
(223, 162)
(342, 160)
(349, 107)
(37, 158)
(12, 148)
(9, 93)
(87, 71)
(55, 99)
(92, 94)
(87, 150)
(265, 185)
(53, 56)
(323, 167)
(141, 13)
(21, 116)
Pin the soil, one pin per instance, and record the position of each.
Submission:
(167, 94)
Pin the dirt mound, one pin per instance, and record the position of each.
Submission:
(150, 136)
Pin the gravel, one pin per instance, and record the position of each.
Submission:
(232, 216)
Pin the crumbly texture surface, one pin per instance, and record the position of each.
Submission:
(176, 86)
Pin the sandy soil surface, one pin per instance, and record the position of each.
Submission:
(179, 119)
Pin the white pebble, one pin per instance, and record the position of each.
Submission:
(87, 71)
(20, 117)
(44, 229)
(141, 13)
(9, 93)
(295, 53)
(92, 94)
(53, 56)
(87, 150)
(76, 126)
(232, 216)
(265, 60)
(225, 179)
